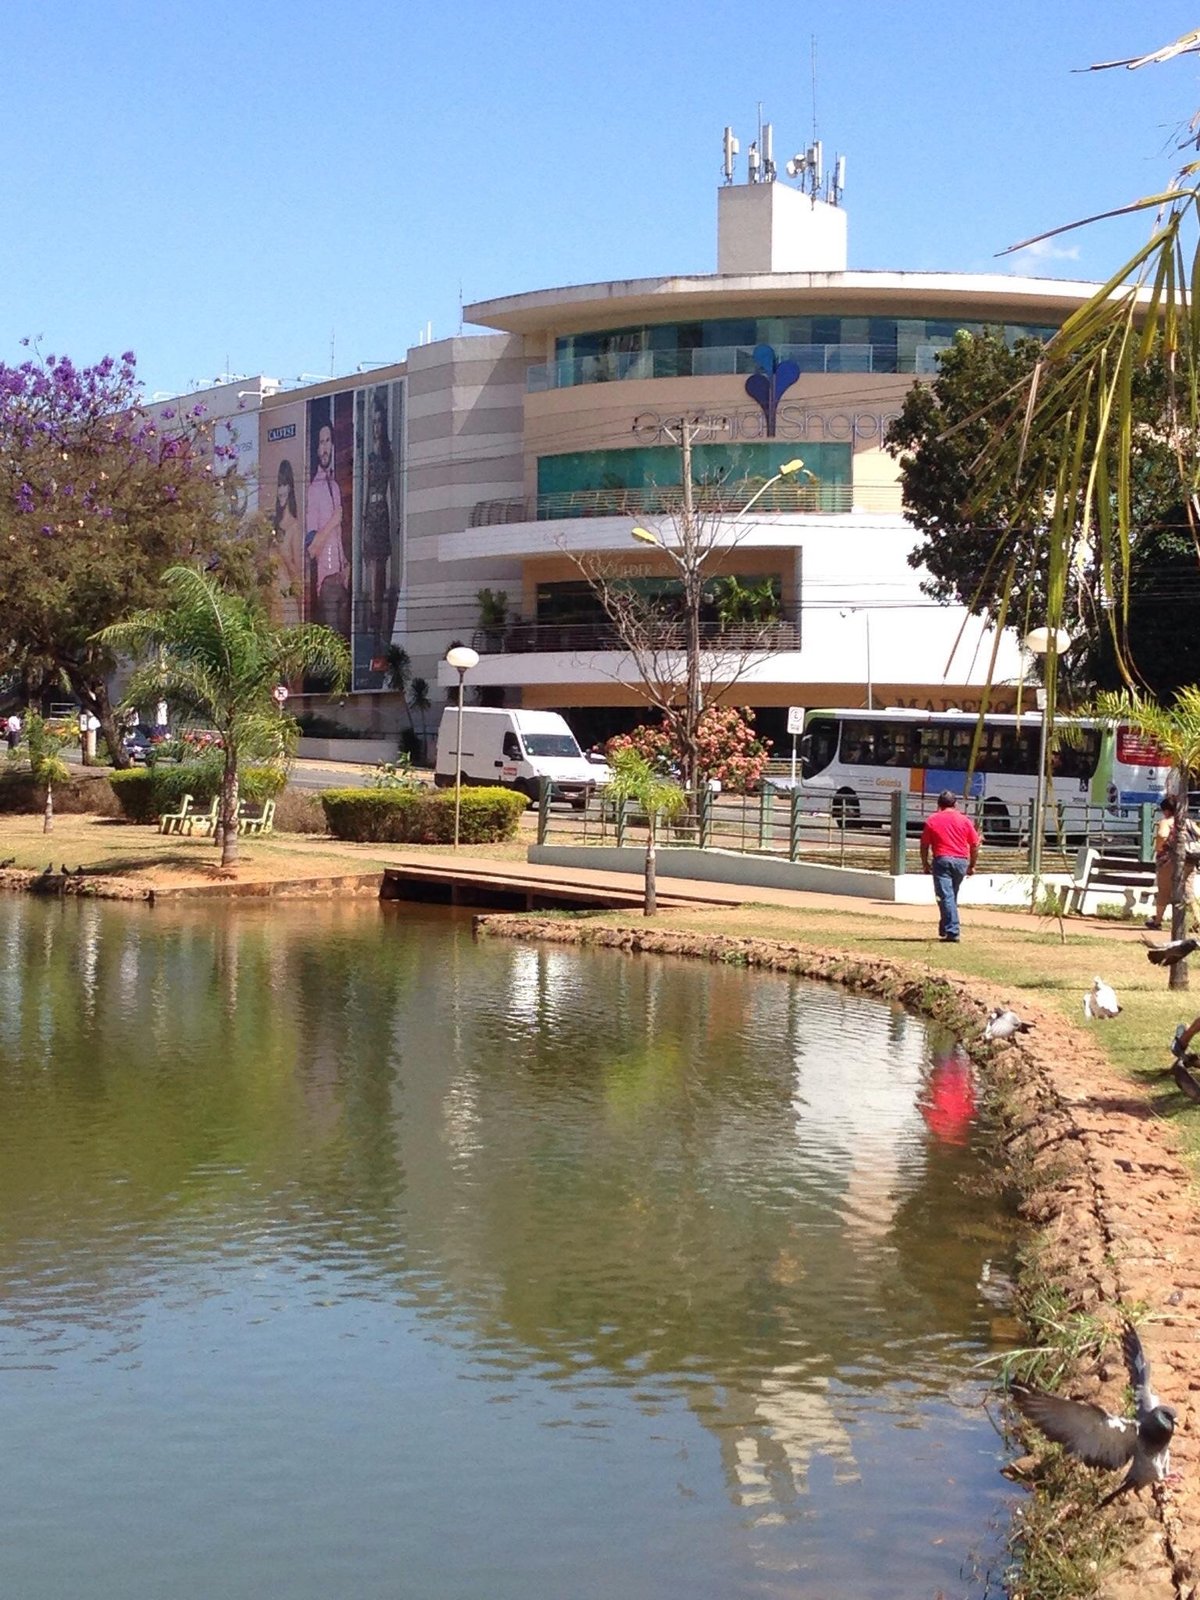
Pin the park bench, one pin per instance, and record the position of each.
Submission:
(173, 821)
(187, 819)
(1104, 878)
(256, 820)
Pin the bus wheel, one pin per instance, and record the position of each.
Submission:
(997, 825)
(844, 808)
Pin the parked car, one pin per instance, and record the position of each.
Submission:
(137, 743)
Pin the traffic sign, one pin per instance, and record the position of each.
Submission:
(279, 694)
(795, 719)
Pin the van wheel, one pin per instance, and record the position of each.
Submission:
(997, 824)
(845, 809)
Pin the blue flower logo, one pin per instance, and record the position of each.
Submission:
(770, 383)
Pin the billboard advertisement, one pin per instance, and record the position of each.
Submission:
(281, 479)
(378, 524)
(329, 512)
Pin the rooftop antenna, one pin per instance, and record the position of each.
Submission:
(731, 150)
(812, 45)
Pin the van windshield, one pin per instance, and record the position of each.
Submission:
(549, 744)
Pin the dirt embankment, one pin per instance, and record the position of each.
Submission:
(1114, 1209)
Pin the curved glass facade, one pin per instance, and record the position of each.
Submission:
(727, 345)
(626, 481)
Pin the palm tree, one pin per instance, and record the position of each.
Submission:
(1081, 398)
(635, 779)
(44, 747)
(1175, 729)
(414, 695)
(216, 656)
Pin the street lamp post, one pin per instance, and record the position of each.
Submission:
(462, 658)
(688, 560)
(1043, 642)
(866, 616)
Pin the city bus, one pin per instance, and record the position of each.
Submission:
(1098, 774)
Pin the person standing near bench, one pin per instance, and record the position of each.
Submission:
(1164, 862)
(949, 850)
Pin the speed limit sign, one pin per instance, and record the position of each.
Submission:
(279, 694)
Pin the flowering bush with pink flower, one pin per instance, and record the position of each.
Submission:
(727, 747)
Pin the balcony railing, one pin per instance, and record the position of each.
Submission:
(725, 360)
(578, 637)
(711, 501)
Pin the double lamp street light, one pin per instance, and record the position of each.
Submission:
(688, 557)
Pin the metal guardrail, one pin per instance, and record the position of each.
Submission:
(620, 366)
(521, 637)
(882, 835)
(822, 499)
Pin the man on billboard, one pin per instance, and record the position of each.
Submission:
(323, 541)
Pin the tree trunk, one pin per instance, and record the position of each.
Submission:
(93, 696)
(650, 903)
(227, 826)
(48, 812)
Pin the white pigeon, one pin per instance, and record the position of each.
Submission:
(1100, 1002)
(1004, 1024)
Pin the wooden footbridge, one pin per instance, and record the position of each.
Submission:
(518, 886)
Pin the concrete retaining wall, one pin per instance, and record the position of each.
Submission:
(772, 872)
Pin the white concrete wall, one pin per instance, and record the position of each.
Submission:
(772, 872)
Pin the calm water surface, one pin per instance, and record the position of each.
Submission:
(342, 1256)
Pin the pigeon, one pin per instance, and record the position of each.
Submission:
(1100, 1002)
(1098, 1438)
(1168, 955)
(1178, 1048)
(1185, 1080)
(1002, 1024)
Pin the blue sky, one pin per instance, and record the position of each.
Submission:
(248, 187)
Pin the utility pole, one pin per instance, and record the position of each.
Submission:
(693, 580)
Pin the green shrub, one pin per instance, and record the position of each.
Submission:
(421, 816)
(144, 793)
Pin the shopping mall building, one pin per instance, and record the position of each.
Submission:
(452, 497)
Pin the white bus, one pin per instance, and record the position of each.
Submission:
(1099, 775)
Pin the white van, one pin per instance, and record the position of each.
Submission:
(516, 748)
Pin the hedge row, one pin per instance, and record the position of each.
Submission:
(144, 793)
(421, 816)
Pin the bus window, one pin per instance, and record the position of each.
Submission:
(819, 746)
(1077, 759)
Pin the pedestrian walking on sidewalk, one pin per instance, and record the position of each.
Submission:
(949, 849)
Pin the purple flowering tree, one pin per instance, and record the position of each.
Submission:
(97, 500)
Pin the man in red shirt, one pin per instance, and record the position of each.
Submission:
(949, 848)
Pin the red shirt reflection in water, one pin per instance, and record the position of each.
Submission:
(948, 1104)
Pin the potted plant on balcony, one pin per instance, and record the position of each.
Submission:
(493, 618)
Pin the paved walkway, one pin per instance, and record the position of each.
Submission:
(702, 892)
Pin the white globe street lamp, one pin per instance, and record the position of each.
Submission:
(462, 658)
